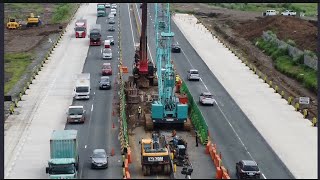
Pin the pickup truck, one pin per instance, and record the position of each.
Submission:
(289, 13)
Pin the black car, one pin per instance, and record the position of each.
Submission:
(111, 28)
(104, 82)
(247, 169)
(175, 48)
(111, 21)
(99, 159)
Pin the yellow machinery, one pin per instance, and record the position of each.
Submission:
(155, 155)
(32, 20)
(12, 24)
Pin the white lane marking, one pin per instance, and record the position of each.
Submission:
(91, 107)
(101, 50)
(94, 92)
(223, 114)
(131, 26)
(147, 43)
(85, 146)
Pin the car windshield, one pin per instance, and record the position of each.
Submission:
(75, 111)
(250, 168)
(63, 169)
(110, 37)
(80, 29)
(105, 79)
(194, 72)
(94, 34)
(82, 89)
(99, 155)
(208, 96)
(107, 50)
(106, 67)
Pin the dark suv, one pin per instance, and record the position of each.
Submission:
(247, 169)
(104, 82)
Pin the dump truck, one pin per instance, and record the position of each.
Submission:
(101, 10)
(95, 35)
(12, 24)
(64, 155)
(155, 156)
(82, 88)
(80, 28)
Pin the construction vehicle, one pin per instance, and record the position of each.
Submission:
(95, 35)
(64, 155)
(143, 69)
(167, 109)
(101, 10)
(12, 24)
(80, 28)
(179, 148)
(33, 20)
(155, 155)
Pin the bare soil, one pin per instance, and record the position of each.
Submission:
(239, 29)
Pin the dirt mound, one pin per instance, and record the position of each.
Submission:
(302, 32)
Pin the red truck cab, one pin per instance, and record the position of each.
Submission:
(81, 28)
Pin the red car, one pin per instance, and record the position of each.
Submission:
(106, 69)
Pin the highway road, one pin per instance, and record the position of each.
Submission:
(229, 127)
(97, 131)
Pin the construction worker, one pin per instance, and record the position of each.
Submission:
(178, 84)
(139, 112)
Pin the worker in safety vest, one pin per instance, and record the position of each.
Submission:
(178, 84)
(139, 112)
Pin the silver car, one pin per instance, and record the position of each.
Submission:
(193, 74)
(206, 98)
(99, 159)
(107, 53)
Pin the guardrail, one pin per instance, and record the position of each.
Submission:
(38, 68)
(196, 116)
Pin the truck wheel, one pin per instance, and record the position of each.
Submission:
(144, 170)
(148, 170)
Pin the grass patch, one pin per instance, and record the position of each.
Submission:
(285, 64)
(15, 66)
(22, 10)
(310, 9)
(63, 12)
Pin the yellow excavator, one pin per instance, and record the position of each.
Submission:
(12, 23)
(33, 20)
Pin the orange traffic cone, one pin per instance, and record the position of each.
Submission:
(112, 152)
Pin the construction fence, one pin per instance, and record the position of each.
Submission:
(196, 116)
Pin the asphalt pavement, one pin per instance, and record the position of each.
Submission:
(98, 131)
(237, 139)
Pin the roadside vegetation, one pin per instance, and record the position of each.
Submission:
(293, 68)
(62, 12)
(310, 9)
(15, 66)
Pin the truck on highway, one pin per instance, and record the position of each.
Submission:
(101, 10)
(64, 155)
(80, 28)
(95, 35)
(82, 88)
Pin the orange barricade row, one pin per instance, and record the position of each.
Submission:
(127, 175)
(129, 155)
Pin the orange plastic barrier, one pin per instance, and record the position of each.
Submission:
(127, 175)
(208, 147)
(225, 174)
(129, 155)
(124, 69)
(218, 173)
(126, 165)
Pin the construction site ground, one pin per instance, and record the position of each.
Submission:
(240, 29)
(201, 162)
(36, 41)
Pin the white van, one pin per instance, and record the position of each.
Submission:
(111, 16)
(113, 11)
(82, 88)
(270, 13)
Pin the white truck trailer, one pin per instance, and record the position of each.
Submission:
(82, 88)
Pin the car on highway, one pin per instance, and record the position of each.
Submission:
(104, 82)
(206, 98)
(247, 169)
(175, 48)
(107, 53)
(76, 114)
(110, 38)
(106, 69)
(111, 28)
(111, 16)
(112, 21)
(113, 11)
(193, 74)
(107, 5)
(114, 6)
(99, 159)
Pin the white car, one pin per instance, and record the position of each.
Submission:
(193, 74)
(206, 98)
(114, 6)
(113, 11)
(107, 5)
(107, 53)
(288, 13)
(110, 16)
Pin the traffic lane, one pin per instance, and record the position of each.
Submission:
(237, 120)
